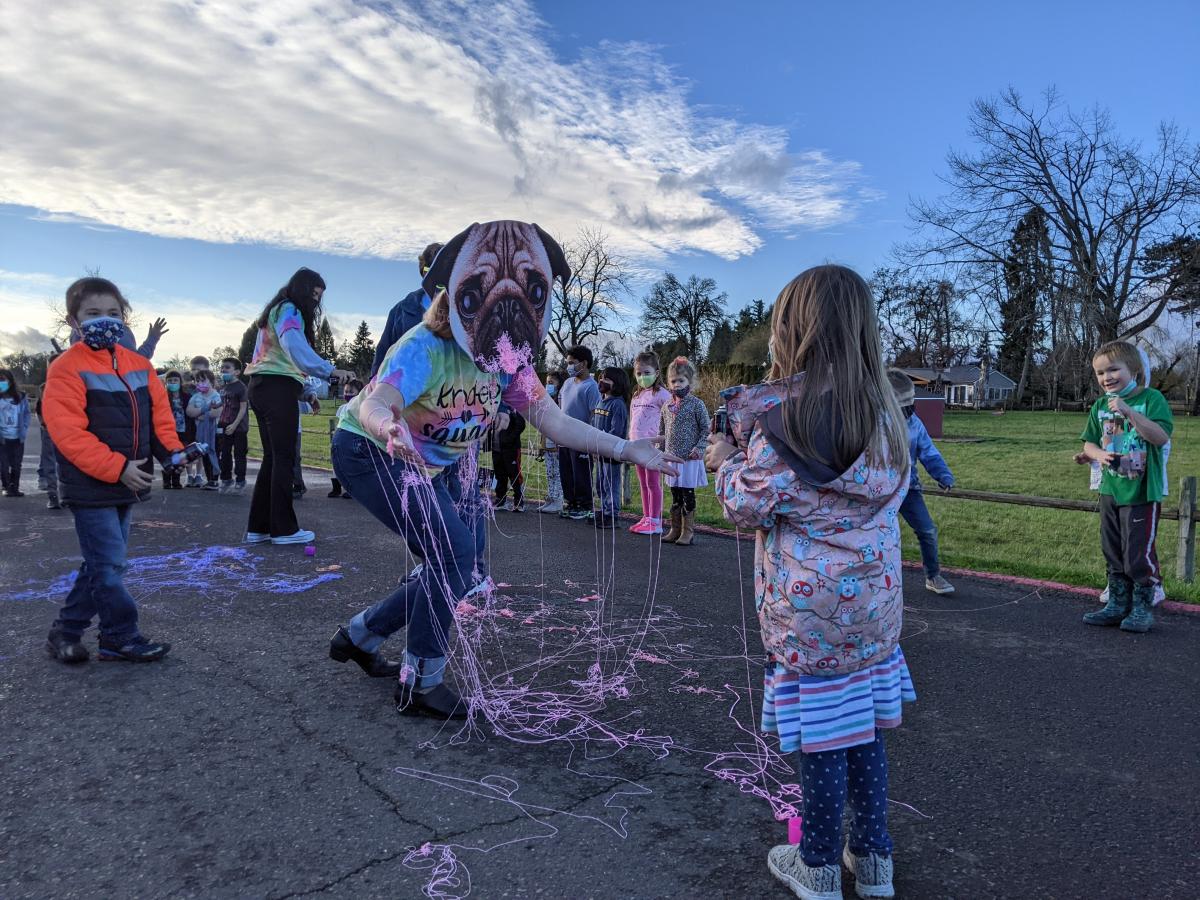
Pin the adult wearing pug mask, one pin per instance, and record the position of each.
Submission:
(436, 394)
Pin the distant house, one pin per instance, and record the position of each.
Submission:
(961, 385)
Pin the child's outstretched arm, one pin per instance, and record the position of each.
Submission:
(932, 459)
(746, 492)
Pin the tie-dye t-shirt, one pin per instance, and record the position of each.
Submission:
(269, 356)
(448, 402)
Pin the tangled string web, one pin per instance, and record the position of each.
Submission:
(563, 668)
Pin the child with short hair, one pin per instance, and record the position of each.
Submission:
(819, 470)
(684, 424)
(205, 408)
(549, 452)
(913, 509)
(196, 469)
(350, 390)
(106, 412)
(233, 427)
(14, 428)
(505, 441)
(185, 428)
(577, 398)
(611, 416)
(1126, 430)
(645, 421)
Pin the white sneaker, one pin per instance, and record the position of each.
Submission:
(551, 506)
(1159, 595)
(239, 487)
(808, 883)
(416, 573)
(255, 537)
(939, 585)
(872, 874)
(300, 537)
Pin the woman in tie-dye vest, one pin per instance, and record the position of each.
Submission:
(818, 464)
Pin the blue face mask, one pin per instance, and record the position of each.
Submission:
(1127, 390)
(227, 377)
(102, 333)
(552, 390)
(3, 387)
(572, 370)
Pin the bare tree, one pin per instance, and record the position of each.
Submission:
(599, 279)
(1105, 201)
(687, 312)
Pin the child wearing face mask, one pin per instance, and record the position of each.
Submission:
(549, 453)
(205, 408)
(611, 416)
(14, 427)
(233, 427)
(349, 391)
(195, 469)
(106, 413)
(645, 422)
(685, 427)
(185, 428)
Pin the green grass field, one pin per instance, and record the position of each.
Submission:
(1017, 453)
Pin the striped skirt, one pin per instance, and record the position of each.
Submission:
(813, 713)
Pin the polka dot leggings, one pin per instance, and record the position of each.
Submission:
(827, 779)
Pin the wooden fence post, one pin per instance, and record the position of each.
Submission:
(1185, 563)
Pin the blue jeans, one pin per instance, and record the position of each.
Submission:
(425, 515)
(470, 508)
(99, 590)
(826, 780)
(608, 487)
(916, 514)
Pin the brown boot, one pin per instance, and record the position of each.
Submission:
(688, 533)
(676, 528)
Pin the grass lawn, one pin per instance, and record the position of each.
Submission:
(1016, 453)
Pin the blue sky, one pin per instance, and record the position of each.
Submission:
(199, 154)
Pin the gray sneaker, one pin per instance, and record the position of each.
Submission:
(551, 506)
(872, 874)
(808, 883)
(939, 585)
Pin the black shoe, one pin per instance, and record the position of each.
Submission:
(336, 490)
(64, 649)
(438, 702)
(53, 503)
(346, 495)
(137, 650)
(605, 522)
(341, 648)
(212, 486)
(13, 492)
(298, 492)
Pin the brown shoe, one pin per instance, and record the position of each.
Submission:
(673, 532)
(688, 533)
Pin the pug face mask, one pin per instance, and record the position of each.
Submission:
(499, 279)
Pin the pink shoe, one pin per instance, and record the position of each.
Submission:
(648, 526)
(639, 526)
(655, 526)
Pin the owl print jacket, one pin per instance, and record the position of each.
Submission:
(827, 556)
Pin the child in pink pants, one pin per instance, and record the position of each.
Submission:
(644, 418)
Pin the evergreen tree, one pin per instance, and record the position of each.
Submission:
(720, 348)
(1027, 278)
(362, 350)
(326, 346)
(246, 347)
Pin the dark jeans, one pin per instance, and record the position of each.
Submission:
(48, 463)
(1127, 536)
(916, 514)
(575, 472)
(425, 515)
(826, 779)
(507, 466)
(231, 448)
(470, 505)
(683, 498)
(608, 487)
(275, 400)
(99, 590)
(297, 468)
(12, 451)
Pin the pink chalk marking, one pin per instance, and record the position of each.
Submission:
(649, 657)
(588, 599)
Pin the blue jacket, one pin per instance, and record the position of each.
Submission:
(22, 409)
(920, 447)
(402, 318)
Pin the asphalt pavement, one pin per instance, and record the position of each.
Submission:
(1042, 759)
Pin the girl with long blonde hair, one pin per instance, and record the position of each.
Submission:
(817, 463)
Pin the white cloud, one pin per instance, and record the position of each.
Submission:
(372, 128)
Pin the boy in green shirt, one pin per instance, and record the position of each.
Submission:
(1125, 433)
